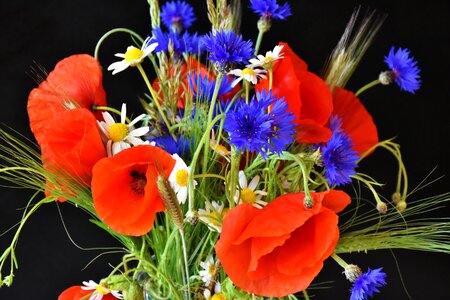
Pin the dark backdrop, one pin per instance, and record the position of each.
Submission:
(47, 31)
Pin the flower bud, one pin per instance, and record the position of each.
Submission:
(352, 272)
(401, 206)
(382, 207)
(264, 24)
(386, 77)
(396, 197)
(308, 202)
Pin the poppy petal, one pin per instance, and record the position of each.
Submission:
(310, 132)
(336, 200)
(356, 120)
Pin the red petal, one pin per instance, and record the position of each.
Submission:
(356, 120)
(115, 202)
(310, 132)
(336, 200)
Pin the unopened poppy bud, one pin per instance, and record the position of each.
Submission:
(401, 206)
(396, 197)
(264, 24)
(382, 207)
(352, 272)
(308, 202)
(386, 77)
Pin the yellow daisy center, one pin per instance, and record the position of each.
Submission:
(132, 54)
(215, 218)
(248, 71)
(212, 269)
(182, 177)
(268, 59)
(102, 290)
(221, 149)
(248, 196)
(118, 131)
(219, 296)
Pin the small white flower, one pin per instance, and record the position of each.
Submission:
(267, 60)
(248, 74)
(213, 215)
(209, 270)
(99, 290)
(179, 178)
(121, 136)
(132, 56)
(247, 193)
(217, 293)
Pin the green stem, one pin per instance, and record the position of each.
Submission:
(209, 176)
(367, 86)
(305, 294)
(113, 110)
(339, 260)
(186, 268)
(247, 91)
(258, 41)
(107, 34)
(203, 140)
(155, 97)
(210, 116)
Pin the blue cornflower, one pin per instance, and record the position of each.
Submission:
(270, 9)
(339, 158)
(251, 127)
(368, 283)
(182, 43)
(404, 69)
(203, 87)
(226, 48)
(177, 15)
(181, 146)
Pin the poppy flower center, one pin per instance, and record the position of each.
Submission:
(248, 196)
(248, 71)
(132, 54)
(101, 290)
(182, 177)
(219, 296)
(118, 132)
(138, 182)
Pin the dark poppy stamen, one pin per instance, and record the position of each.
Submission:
(138, 182)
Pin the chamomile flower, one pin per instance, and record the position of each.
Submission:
(213, 215)
(121, 136)
(218, 295)
(179, 178)
(133, 56)
(248, 193)
(248, 74)
(210, 268)
(266, 61)
(99, 290)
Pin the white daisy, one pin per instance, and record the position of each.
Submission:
(266, 61)
(247, 193)
(133, 56)
(248, 74)
(213, 215)
(209, 271)
(217, 293)
(121, 136)
(179, 178)
(99, 290)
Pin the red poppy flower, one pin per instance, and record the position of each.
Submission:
(308, 97)
(356, 120)
(124, 188)
(72, 144)
(279, 249)
(77, 293)
(76, 82)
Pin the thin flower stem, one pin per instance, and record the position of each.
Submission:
(155, 97)
(210, 116)
(339, 260)
(247, 91)
(367, 86)
(210, 176)
(106, 35)
(305, 294)
(186, 268)
(258, 41)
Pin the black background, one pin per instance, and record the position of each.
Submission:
(47, 31)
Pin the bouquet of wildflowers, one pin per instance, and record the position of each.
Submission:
(229, 184)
